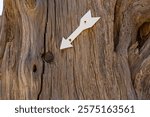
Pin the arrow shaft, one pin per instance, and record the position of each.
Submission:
(74, 35)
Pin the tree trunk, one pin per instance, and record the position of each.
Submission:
(108, 61)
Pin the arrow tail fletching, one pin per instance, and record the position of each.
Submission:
(87, 21)
(86, 16)
(94, 20)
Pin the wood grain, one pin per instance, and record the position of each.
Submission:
(109, 61)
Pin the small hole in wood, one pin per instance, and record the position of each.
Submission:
(69, 39)
(85, 22)
(34, 68)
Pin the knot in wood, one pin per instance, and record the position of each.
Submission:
(48, 57)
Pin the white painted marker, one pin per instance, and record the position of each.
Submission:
(87, 21)
(1, 7)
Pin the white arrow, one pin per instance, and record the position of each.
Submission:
(87, 21)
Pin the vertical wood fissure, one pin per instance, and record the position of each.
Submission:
(116, 31)
(45, 36)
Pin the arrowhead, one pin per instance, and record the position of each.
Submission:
(65, 44)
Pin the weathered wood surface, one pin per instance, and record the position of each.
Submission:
(109, 61)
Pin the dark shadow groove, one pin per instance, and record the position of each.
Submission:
(116, 25)
(43, 68)
(143, 34)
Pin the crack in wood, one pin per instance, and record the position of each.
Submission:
(43, 68)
